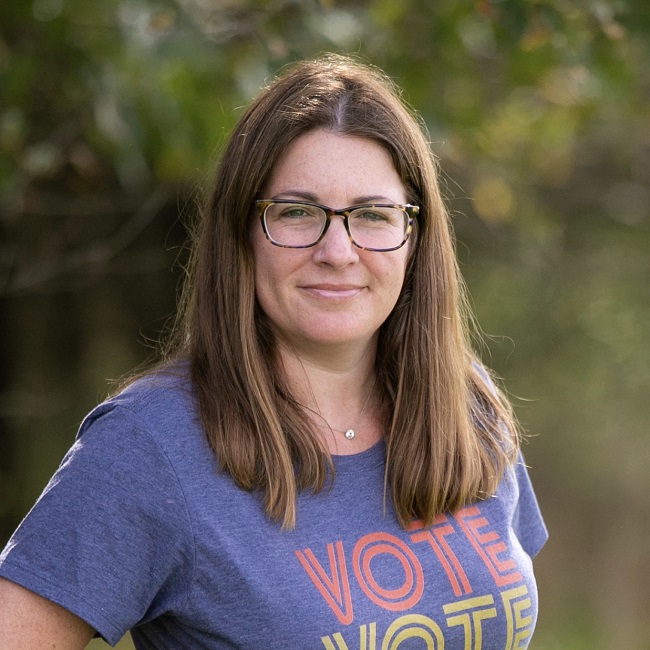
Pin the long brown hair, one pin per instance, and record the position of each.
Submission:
(450, 433)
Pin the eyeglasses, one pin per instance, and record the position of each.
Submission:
(372, 227)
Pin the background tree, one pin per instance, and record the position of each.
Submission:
(111, 115)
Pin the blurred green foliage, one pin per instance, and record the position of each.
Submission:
(111, 117)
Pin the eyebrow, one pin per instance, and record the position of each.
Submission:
(313, 198)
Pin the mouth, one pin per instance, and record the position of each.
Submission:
(333, 291)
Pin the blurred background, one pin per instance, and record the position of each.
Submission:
(111, 118)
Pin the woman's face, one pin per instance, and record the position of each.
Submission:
(333, 293)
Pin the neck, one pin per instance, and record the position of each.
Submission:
(328, 374)
(338, 393)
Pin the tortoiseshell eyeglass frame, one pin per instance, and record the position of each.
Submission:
(411, 212)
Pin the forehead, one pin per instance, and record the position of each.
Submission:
(332, 166)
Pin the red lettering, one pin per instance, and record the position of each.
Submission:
(333, 587)
(373, 546)
(435, 536)
(488, 545)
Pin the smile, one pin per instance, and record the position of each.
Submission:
(333, 291)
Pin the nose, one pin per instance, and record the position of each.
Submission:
(335, 248)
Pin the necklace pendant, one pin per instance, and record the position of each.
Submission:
(349, 434)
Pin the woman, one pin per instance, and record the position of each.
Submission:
(321, 461)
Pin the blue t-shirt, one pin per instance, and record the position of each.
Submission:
(138, 530)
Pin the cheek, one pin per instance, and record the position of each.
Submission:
(266, 282)
(263, 258)
(263, 273)
(402, 265)
(400, 278)
(273, 269)
(393, 281)
(396, 292)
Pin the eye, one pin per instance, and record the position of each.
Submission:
(372, 215)
(297, 211)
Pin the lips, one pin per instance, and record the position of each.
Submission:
(328, 291)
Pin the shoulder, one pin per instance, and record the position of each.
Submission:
(168, 388)
(131, 487)
(517, 497)
(153, 421)
(158, 401)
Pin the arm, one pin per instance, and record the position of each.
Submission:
(110, 538)
(30, 621)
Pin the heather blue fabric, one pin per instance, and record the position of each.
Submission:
(138, 530)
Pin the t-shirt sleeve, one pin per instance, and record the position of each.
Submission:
(528, 524)
(110, 538)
